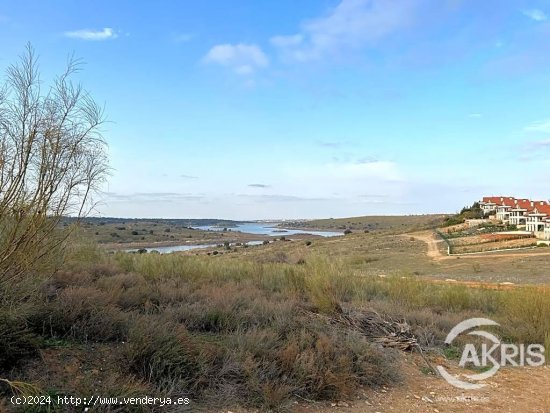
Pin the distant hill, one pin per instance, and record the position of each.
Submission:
(175, 221)
(400, 223)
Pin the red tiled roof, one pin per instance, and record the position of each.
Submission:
(509, 201)
(543, 208)
(524, 204)
(495, 199)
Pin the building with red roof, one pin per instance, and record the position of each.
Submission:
(534, 216)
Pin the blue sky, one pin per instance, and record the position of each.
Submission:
(252, 110)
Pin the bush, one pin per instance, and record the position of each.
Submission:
(82, 313)
(161, 352)
(347, 231)
(314, 362)
(257, 332)
(17, 341)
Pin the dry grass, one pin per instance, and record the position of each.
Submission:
(244, 331)
(479, 244)
(388, 223)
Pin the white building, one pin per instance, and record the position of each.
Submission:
(488, 207)
(518, 217)
(534, 216)
(535, 221)
(503, 213)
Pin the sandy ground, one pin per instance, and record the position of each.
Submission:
(511, 390)
(517, 389)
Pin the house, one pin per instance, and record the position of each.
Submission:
(519, 211)
(537, 218)
(534, 216)
(504, 208)
(489, 204)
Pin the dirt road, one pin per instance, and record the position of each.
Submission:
(433, 243)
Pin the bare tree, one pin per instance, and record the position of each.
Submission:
(52, 161)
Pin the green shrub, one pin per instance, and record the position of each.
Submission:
(17, 341)
(161, 352)
(82, 313)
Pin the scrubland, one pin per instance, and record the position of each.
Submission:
(387, 223)
(257, 328)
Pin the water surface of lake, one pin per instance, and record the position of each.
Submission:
(256, 228)
(172, 248)
(271, 229)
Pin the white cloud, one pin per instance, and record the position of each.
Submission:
(347, 181)
(342, 174)
(244, 59)
(93, 35)
(540, 126)
(263, 186)
(475, 115)
(351, 24)
(535, 14)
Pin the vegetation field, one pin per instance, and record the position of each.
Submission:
(137, 233)
(90, 309)
(395, 224)
(257, 327)
(387, 254)
(485, 237)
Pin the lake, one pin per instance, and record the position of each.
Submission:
(176, 248)
(256, 228)
(172, 248)
(270, 229)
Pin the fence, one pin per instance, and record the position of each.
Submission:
(446, 239)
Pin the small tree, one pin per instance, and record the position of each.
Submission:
(52, 161)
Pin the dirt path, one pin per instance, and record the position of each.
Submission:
(431, 241)
(518, 389)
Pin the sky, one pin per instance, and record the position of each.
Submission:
(305, 109)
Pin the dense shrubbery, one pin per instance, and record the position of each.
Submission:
(472, 212)
(17, 341)
(243, 332)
